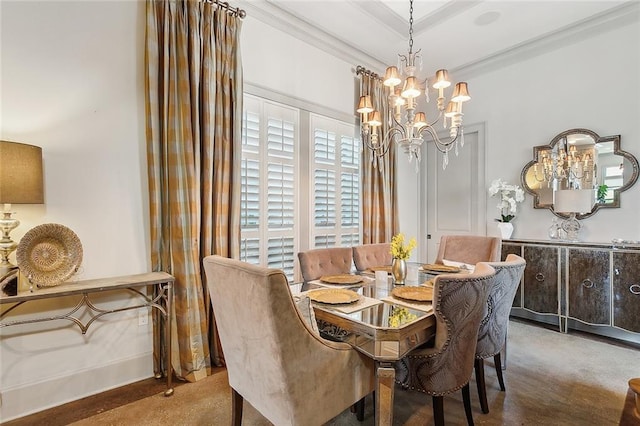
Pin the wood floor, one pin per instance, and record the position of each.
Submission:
(551, 379)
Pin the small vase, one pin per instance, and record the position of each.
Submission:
(399, 271)
(506, 229)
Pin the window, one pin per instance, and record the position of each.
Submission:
(279, 216)
(335, 161)
(613, 179)
(268, 201)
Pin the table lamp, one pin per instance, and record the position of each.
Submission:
(572, 202)
(21, 182)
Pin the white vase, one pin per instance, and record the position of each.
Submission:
(506, 229)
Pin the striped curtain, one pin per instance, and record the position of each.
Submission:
(194, 118)
(379, 193)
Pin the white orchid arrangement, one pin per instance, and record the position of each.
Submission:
(510, 196)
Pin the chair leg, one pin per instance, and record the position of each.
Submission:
(236, 408)
(466, 399)
(480, 383)
(438, 410)
(498, 362)
(359, 410)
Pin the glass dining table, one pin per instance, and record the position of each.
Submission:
(379, 324)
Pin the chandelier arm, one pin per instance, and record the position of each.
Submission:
(441, 145)
(382, 148)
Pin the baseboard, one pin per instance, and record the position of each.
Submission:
(37, 396)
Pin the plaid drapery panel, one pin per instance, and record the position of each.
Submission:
(379, 193)
(194, 115)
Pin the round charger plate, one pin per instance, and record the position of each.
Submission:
(334, 296)
(433, 267)
(341, 279)
(49, 254)
(380, 268)
(417, 294)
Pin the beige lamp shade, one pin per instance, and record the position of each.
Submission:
(375, 119)
(392, 77)
(441, 80)
(573, 200)
(421, 120)
(461, 92)
(411, 88)
(20, 174)
(364, 105)
(452, 109)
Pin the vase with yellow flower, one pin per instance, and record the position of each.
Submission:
(400, 253)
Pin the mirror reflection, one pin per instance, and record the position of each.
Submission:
(580, 160)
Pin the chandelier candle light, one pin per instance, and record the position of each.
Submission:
(404, 89)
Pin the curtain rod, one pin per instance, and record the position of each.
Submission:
(232, 10)
(362, 70)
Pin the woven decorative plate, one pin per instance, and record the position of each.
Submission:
(433, 267)
(49, 254)
(334, 296)
(341, 279)
(418, 294)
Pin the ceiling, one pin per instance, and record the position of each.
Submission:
(452, 34)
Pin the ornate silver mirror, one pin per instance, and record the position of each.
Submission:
(579, 159)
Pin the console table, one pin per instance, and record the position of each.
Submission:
(161, 299)
(592, 287)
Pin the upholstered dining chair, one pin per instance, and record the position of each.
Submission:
(469, 249)
(325, 261)
(492, 335)
(367, 256)
(274, 359)
(447, 366)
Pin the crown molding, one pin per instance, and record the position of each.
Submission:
(270, 14)
(390, 19)
(622, 15)
(278, 18)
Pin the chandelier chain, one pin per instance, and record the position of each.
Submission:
(410, 27)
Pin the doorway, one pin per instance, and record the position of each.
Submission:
(455, 202)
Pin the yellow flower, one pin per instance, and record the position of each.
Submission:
(399, 316)
(399, 250)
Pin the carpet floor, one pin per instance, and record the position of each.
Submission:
(551, 379)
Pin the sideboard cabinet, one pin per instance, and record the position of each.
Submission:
(583, 286)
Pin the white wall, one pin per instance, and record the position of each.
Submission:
(72, 84)
(591, 84)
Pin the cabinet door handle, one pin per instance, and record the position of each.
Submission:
(635, 288)
(587, 283)
(539, 276)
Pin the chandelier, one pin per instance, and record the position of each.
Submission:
(565, 163)
(406, 126)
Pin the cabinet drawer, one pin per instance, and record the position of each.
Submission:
(626, 291)
(589, 286)
(540, 288)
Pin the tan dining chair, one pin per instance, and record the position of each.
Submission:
(325, 261)
(469, 249)
(447, 365)
(492, 335)
(367, 256)
(274, 359)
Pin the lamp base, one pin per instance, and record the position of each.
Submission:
(7, 245)
(572, 227)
